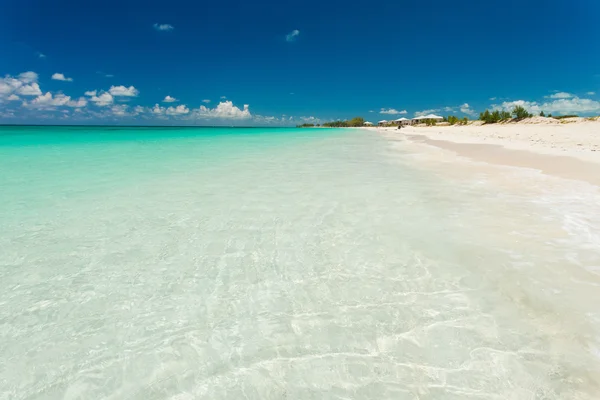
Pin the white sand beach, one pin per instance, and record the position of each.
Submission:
(569, 150)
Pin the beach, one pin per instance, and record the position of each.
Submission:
(219, 263)
(570, 150)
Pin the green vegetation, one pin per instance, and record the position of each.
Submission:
(494, 116)
(454, 120)
(521, 113)
(542, 114)
(305, 126)
(566, 116)
(354, 122)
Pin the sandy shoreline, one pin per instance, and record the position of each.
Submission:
(570, 151)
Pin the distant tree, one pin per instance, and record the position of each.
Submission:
(549, 115)
(486, 117)
(452, 119)
(521, 113)
(496, 117)
(465, 121)
(505, 116)
(542, 114)
(356, 121)
(491, 117)
(318, 124)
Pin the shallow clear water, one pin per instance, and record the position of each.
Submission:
(300, 264)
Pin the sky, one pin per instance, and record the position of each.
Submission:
(290, 62)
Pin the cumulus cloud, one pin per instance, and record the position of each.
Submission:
(29, 90)
(572, 105)
(591, 93)
(224, 110)
(179, 110)
(122, 91)
(119, 110)
(206, 101)
(293, 35)
(90, 93)
(158, 110)
(61, 77)
(560, 95)
(426, 112)
(163, 27)
(48, 100)
(28, 77)
(169, 99)
(13, 97)
(466, 109)
(391, 111)
(24, 84)
(79, 103)
(103, 100)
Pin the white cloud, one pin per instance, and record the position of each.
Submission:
(123, 91)
(391, 111)
(225, 110)
(119, 110)
(140, 110)
(163, 27)
(223, 97)
(103, 100)
(79, 103)
(40, 55)
(169, 99)
(492, 98)
(158, 110)
(466, 109)
(61, 77)
(28, 77)
(90, 93)
(179, 110)
(573, 105)
(13, 97)
(48, 101)
(206, 101)
(425, 112)
(29, 90)
(560, 95)
(293, 35)
(591, 93)
(24, 84)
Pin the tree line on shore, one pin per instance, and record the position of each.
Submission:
(518, 113)
(352, 123)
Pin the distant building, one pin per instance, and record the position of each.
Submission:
(382, 122)
(402, 121)
(367, 123)
(436, 118)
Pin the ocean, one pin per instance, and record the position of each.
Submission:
(283, 263)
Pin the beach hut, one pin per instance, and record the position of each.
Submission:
(382, 122)
(367, 123)
(434, 117)
(402, 121)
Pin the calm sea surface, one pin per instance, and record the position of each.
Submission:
(169, 263)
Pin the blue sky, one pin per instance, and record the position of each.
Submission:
(262, 63)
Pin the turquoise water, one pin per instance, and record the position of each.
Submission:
(171, 263)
